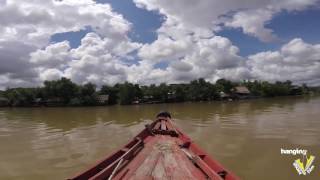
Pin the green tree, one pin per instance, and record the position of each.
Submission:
(88, 89)
(88, 94)
(254, 87)
(224, 85)
(127, 93)
(112, 92)
(63, 88)
(138, 91)
(180, 92)
(21, 96)
(162, 92)
(201, 90)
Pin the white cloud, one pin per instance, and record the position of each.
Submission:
(190, 55)
(97, 60)
(187, 36)
(253, 23)
(53, 56)
(181, 66)
(186, 41)
(297, 61)
(26, 28)
(34, 21)
(165, 48)
(205, 16)
(50, 74)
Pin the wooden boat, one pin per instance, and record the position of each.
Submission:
(160, 151)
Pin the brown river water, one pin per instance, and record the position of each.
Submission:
(245, 136)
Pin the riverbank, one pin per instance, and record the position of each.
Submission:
(163, 103)
(64, 93)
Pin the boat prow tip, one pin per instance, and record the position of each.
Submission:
(164, 114)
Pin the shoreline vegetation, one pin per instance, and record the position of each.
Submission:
(64, 92)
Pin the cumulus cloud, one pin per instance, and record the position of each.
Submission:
(96, 60)
(186, 41)
(253, 23)
(26, 28)
(165, 48)
(50, 74)
(190, 54)
(181, 66)
(205, 16)
(297, 61)
(55, 55)
(35, 21)
(188, 36)
(204, 58)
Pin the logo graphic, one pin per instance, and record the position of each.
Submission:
(304, 169)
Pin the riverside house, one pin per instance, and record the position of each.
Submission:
(241, 92)
(103, 99)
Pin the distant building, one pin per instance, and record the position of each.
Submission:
(296, 90)
(241, 92)
(4, 101)
(103, 98)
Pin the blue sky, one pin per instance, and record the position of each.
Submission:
(144, 23)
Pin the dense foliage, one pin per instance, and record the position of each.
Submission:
(65, 92)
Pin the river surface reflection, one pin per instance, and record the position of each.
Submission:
(245, 136)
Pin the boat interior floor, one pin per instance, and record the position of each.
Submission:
(161, 158)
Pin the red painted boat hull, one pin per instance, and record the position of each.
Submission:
(160, 151)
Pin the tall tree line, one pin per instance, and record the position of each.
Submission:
(69, 93)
